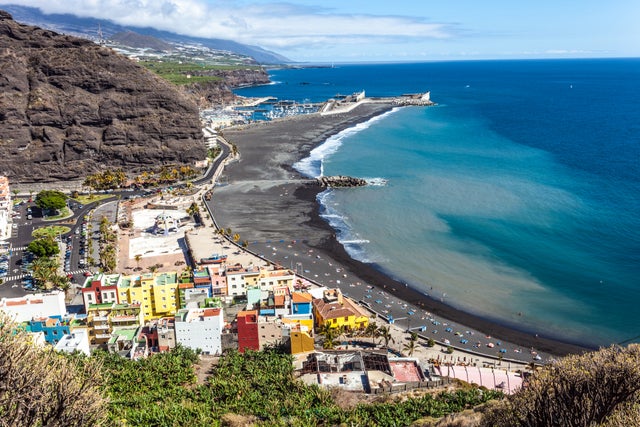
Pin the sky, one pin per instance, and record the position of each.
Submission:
(388, 30)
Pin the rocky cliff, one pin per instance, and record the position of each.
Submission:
(219, 93)
(69, 108)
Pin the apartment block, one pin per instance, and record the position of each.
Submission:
(200, 328)
(103, 318)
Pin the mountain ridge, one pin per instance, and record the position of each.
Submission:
(89, 27)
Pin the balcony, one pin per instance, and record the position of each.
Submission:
(101, 327)
(100, 318)
(103, 336)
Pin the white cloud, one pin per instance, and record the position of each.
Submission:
(272, 25)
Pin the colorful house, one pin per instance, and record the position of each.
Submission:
(218, 281)
(300, 339)
(335, 311)
(103, 318)
(55, 327)
(268, 279)
(248, 336)
(239, 279)
(101, 289)
(157, 294)
(301, 303)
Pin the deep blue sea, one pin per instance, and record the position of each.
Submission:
(517, 197)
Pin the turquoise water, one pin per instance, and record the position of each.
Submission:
(516, 198)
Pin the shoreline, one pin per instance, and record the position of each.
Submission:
(297, 136)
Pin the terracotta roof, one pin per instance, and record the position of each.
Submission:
(301, 297)
(279, 300)
(332, 310)
(208, 312)
(247, 312)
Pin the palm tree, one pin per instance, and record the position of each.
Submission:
(236, 237)
(44, 270)
(410, 347)
(372, 331)
(385, 334)
(330, 336)
(137, 257)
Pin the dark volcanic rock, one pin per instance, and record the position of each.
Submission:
(218, 93)
(69, 108)
(339, 181)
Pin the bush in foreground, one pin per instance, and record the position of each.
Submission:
(594, 389)
(39, 387)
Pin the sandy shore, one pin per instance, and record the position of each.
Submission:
(266, 201)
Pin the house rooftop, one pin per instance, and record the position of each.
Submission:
(301, 297)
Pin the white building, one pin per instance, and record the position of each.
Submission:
(77, 340)
(6, 209)
(200, 328)
(240, 278)
(25, 308)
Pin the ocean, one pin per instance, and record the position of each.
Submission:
(516, 197)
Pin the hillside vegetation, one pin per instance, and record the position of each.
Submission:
(181, 73)
(41, 387)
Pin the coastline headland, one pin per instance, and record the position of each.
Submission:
(267, 202)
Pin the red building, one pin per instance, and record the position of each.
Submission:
(248, 336)
(100, 289)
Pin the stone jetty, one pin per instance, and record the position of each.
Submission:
(338, 181)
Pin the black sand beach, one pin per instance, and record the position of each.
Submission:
(269, 204)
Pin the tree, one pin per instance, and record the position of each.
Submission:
(385, 334)
(594, 389)
(44, 247)
(411, 346)
(51, 199)
(193, 209)
(137, 257)
(39, 387)
(44, 272)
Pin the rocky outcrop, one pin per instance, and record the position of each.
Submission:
(339, 181)
(70, 108)
(220, 92)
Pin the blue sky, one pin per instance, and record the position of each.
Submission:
(387, 30)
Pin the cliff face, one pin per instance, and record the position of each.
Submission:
(220, 92)
(69, 108)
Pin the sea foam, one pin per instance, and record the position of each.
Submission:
(313, 166)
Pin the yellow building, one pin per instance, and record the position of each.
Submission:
(157, 294)
(103, 318)
(301, 341)
(335, 311)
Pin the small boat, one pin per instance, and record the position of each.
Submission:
(214, 259)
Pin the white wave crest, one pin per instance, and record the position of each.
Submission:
(376, 182)
(313, 166)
